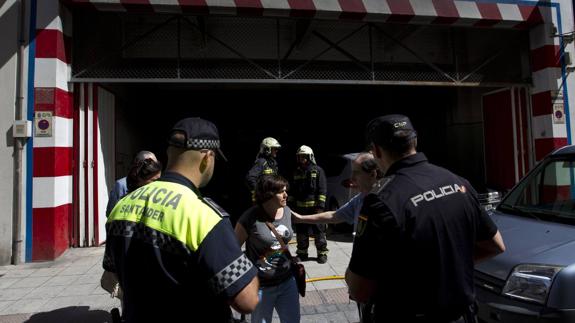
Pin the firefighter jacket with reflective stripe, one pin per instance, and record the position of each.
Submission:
(308, 188)
(175, 254)
(262, 166)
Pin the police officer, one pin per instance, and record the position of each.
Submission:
(174, 251)
(308, 195)
(419, 233)
(265, 163)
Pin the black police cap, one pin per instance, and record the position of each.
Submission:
(392, 130)
(199, 134)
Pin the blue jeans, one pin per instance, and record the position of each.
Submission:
(283, 297)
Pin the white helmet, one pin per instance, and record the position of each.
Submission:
(306, 150)
(267, 144)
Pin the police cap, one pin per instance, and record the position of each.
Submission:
(390, 131)
(199, 134)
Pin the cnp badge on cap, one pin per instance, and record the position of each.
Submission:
(199, 134)
(389, 130)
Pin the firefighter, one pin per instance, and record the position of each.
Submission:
(308, 195)
(265, 163)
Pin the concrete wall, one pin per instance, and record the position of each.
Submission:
(9, 13)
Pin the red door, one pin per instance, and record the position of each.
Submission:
(506, 131)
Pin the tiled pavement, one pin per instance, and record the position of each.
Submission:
(68, 289)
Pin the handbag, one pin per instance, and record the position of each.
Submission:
(297, 269)
(109, 282)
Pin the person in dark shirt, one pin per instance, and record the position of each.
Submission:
(174, 251)
(419, 233)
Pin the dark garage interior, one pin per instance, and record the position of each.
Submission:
(328, 118)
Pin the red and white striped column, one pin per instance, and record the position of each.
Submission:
(52, 172)
(547, 97)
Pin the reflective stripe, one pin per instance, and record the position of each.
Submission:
(268, 171)
(230, 274)
(305, 204)
(322, 198)
(298, 177)
(170, 208)
(313, 175)
(148, 235)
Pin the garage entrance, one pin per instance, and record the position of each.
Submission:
(301, 81)
(329, 118)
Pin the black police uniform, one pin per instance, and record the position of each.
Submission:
(416, 235)
(307, 196)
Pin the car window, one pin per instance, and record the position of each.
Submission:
(547, 193)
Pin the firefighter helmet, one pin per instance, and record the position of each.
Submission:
(306, 150)
(267, 144)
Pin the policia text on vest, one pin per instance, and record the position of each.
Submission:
(161, 197)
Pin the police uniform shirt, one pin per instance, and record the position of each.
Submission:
(177, 259)
(416, 236)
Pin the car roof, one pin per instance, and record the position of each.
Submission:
(567, 150)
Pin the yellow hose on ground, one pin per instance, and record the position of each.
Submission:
(315, 279)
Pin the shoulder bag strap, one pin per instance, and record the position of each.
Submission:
(280, 239)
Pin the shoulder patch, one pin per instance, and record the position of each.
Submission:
(361, 225)
(381, 184)
(214, 206)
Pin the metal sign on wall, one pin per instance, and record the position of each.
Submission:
(43, 124)
(558, 113)
(558, 107)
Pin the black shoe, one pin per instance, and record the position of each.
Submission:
(321, 259)
(301, 257)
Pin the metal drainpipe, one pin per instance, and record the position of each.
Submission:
(18, 144)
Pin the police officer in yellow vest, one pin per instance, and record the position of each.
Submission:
(308, 195)
(174, 251)
(265, 163)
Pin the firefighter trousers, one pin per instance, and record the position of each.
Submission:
(318, 231)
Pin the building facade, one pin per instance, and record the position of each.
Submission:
(489, 81)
